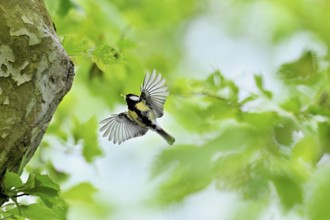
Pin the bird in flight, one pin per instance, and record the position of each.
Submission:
(142, 112)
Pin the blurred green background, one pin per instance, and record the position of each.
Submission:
(249, 107)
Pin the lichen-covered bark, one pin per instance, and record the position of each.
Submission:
(35, 74)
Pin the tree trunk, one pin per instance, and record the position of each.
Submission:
(35, 74)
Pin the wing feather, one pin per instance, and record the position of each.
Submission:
(154, 92)
(119, 128)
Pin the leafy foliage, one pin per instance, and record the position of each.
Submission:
(49, 201)
(251, 149)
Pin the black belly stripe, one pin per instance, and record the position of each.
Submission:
(144, 119)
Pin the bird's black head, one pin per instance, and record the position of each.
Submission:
(131, 100)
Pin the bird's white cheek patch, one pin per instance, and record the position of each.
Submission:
(135, 98)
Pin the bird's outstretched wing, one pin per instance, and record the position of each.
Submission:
(120, 128)
(154, 92)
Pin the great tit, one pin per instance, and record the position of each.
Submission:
(142, 112)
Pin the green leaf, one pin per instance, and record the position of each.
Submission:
(8, 214)
(12, 180)
(83, 192)
(42, 186)
(307, 149)
(289, 191)
(46, 182)
(262, 121)
(54, 202)
(321, 105)
(104, 55)
(302, 71)
(283, 131)
(37, 182)
(87, 132)
(30, 183)
(292, 104)
(75, 46)
(250, 98)
(36, 211)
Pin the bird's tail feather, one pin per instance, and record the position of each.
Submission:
(170, 140)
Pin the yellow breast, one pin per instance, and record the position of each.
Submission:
(142, 107)
(135, 118)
